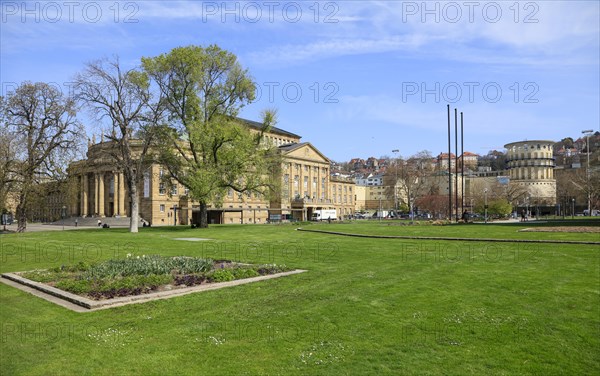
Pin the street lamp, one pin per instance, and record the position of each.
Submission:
(587, 133)
(396, 151)
(485, 206)
(380, 211)
(573, 208)
(63, 213)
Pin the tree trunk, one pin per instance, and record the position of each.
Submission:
(21, 214)
(135, 211)
(203, 215)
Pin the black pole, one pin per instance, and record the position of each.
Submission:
(449, 171)
(456, 164)
(462, 165)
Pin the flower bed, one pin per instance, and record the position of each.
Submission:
(144, 274)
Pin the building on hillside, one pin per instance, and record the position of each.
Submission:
(467, 160)
(357, 164)
(442, 162)
(306, 186)
(370, 179)
(531, 165)
(372, 163)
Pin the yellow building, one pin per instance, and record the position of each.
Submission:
(306, 186)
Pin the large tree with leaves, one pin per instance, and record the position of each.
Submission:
(207, 148)
(122, 101)
(45, 135)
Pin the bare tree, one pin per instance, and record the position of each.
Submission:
(42, 125)
(123, 99)
(407, 179)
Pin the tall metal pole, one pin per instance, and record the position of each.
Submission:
(587, 144)
(396, 151)
(462, 165)
(456, 164)
(485, 205)
(449, 171)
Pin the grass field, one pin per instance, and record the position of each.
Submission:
(365, 306)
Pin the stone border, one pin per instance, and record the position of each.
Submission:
(76, 302)
(447, 238)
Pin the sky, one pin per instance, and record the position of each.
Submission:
(353, 78)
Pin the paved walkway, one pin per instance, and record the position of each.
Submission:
(37, 227)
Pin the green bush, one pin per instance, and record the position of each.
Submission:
(138, 281)
(221, 275)
(240, 273)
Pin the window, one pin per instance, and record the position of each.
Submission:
(174, 191)
(162, 208)
(230, 193)
(286, 186)
(305, 182)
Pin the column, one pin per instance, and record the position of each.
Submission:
(115, 194)
(101, 194)
(96, 196)
(84, 195)
(121, 195)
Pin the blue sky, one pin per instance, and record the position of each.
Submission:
(354, 78)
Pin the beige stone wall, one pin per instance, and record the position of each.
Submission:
(531, 165)
(360, 198)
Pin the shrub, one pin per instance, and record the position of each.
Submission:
(240, 273)
(189, 279)
(151, 281)
(271, 269)
(221, 275)
(146, 265)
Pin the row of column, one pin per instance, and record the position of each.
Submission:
(99, 195)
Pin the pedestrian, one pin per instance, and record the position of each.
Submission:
(523, 215)
(465, 217)
(99, 223)
(75, 222)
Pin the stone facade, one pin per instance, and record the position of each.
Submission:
(531, 164)
(306, 186)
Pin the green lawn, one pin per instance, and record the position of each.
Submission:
(366, 306)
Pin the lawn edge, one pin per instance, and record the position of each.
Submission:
(409, 237)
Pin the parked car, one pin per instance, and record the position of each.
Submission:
(7, 219)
